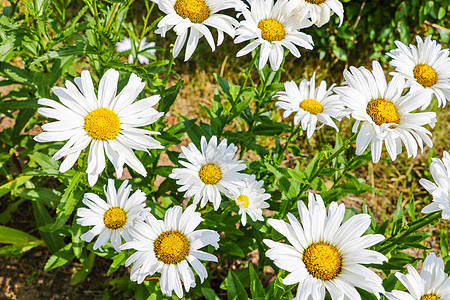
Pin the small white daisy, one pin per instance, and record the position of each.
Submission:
(208, 173)
(326, 255)
(310, 104)
(107, 124)
(425, 66)
(196, 15)
(167, 247)
(113, 218)
(384, 113)
(125, 45)
(251, 199)
(432, 283)
(272, 26)
(440, 170)
(319, 11)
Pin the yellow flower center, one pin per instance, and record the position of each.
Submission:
(196, 10)
(312, 106)
(382, 111)
(171, 247)
(316, 2)
(322, 261)
(425, 75)
(430, 297)
(210, 174)
(242, 201)
(115, 218)
(271, 30)
(102, 124)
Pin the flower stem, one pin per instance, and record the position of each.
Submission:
(169, 69)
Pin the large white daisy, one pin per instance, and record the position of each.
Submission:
(107, 123)
(325, 255)
(425, 66)
(125, 45)
(196, 15)
(310, 104)
(167, 247)
(440, 170)
(208, 173)
(432, 283)
(319, 11)
(113, 218)
(272, 26)
(384, 114)
(251, 199)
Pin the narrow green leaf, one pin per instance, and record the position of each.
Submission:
(85, 270)
(18, 104)
(12, 185)
(53, 240)
(235, 288)
(16, 74)
(76, 50)
(68, 202)
(256, 287)
(444, 242)
(209, 294)
(14, 236)
(46, 196)
(60, 258)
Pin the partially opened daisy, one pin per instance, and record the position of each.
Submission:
(251, 199)
(432, 283)
(190, 20)
(310, 104)
(440, 170)
(168, 246)
(272, 27)
(106, 124)
(325, 254)
(113, 218)
(384, 114)
(319, 11)
(209, 172)
(144, 47)
(425, 66)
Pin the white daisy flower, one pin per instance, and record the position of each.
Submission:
(208, 173)
(310, 104)
(251, 199)
(107, 124)
(113, 218)
(440, 170)
(272, 26)
(319, 11)
(384, 113)
(326, 255)
(425, 66)
(432, 283)
(196, 15)
(167, 247)
(125, 45)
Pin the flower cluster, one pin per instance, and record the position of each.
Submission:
(325, 253)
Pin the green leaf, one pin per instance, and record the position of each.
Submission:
(398, 216)
(444, 242)
(256, 287)
(169, 97)
(12, 185)
(68, 202)
(75, 50)
(85, 270)
(16, 237)
(209, 294)
(53, 240)
(118, 261)
(60, 258)
(21, 121)
(16, 74)
(18, 104)
(49, 197)
(235, 289)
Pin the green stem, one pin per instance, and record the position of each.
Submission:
(246, 75)
(412, 227)
(169, 69)
(291, 137)
(333, 156)
(116, 5)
